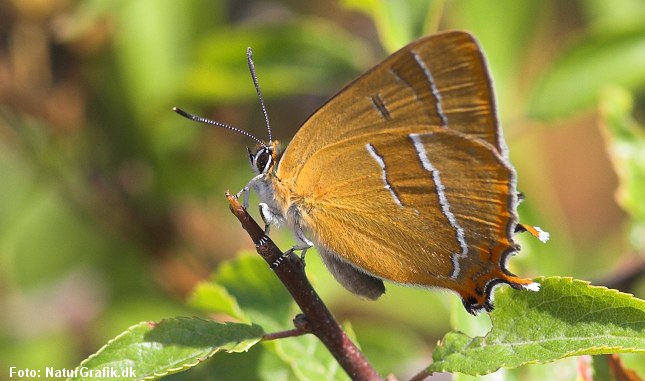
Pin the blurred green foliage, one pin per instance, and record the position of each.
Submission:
(112, 207)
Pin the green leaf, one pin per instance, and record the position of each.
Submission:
(213, 297)
(625, 140)
(257, 291)
(306, 358)
(575, 80)
(565, 318)
(151, 350)
(247, 284)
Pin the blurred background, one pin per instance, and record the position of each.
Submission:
(112, 206)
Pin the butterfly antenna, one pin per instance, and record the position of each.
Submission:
(249, 58)
(214, 123)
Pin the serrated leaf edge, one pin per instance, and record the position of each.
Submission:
(169, 371)
(593, 349)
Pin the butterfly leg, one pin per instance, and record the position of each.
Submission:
(287, 253)
(302, 244)
(270, 216)
(244, 192)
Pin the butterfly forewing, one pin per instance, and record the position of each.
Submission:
(437, 81)
(461, 80)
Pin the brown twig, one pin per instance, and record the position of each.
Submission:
(317, 318)
(283, 334)
(421, 375)
(302, 328)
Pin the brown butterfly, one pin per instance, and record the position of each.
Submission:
(403, 175)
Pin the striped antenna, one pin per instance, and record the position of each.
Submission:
(249, 59)
(214, 123)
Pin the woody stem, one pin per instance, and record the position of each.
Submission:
(317, 317)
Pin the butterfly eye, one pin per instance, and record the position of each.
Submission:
(262, 159)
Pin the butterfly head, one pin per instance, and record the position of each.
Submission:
(264, 157)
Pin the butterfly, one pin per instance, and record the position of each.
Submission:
(404, 175)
